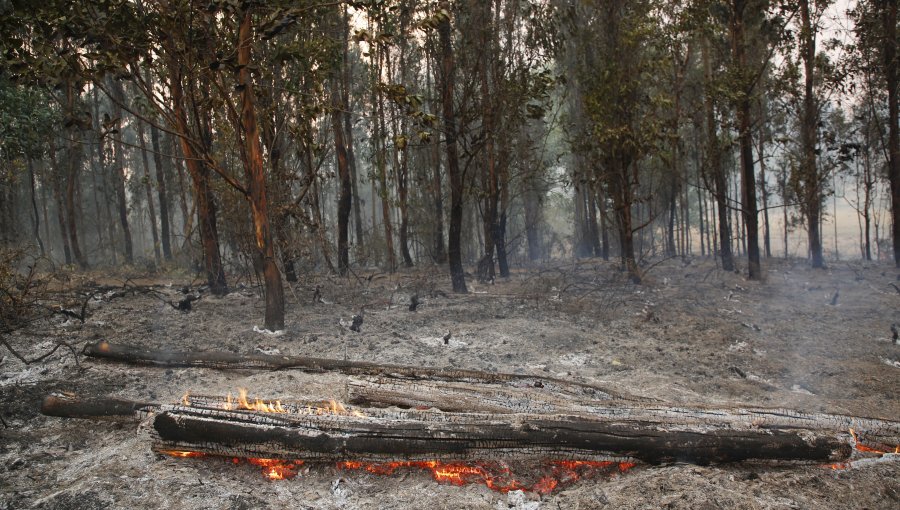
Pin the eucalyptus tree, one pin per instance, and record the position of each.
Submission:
(448, 85)
(877, 63)
(623, 101)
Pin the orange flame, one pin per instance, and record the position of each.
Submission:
(277, 469)
(244, 403)
(865, 448)
(495, 476)
(182, 454)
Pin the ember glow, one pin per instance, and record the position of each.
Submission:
(277, 469)
(182, 454)
(859, 446)
(273, 469)
(497, 476)
(865, 448)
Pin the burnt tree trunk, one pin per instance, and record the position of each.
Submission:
(251, 155)
(744, 127)
(720, 184)
(118, 98)
(204, 200)
(74, 154)
(892, 78)
(161, 193)
(454, 250)
(345, 195)
(812, 192)
(148, 187)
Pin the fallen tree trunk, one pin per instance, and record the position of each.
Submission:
(387, 436)
(226, 360)
(464, 397)
(71, 406)
(328, 431)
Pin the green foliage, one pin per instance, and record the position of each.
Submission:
(27, 120)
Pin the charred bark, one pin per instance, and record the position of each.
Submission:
(454, 249)
(749, 208)
(251, 155)
(345, 195)
(384, 435)
(199, 170)
(231, 361)
(161, 193)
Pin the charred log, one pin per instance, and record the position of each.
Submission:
(385, 435)
(70, 406)
(226, 360)
(452, 396)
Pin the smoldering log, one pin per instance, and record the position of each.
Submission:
(227, 360)
(386, 436)
(465, 397)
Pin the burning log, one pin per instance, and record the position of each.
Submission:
(391, 435)
(329, 431)
(227, 360)
(464, 397)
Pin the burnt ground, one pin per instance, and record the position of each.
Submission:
(691, 333)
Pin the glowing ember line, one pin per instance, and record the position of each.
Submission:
(496, 477)
(182, 454)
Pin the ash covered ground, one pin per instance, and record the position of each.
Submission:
(690, 334)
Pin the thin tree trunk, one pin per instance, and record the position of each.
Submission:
(344, 197)
(892, 79)
(60, 209)
(812, 192)
(161, 193)
(454, 251)
(98, 169)
(119, 171)
(256, 181)
(745, 141)
(764, 191)
(440, 251)
(73, 163)
(379, 135)
(149, 189)
(716, 168)
(36, 223)
(346, 84)
(203, 195)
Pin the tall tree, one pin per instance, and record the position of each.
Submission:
(251, 156)
(812, 180)
(745, 79)
(448, 71)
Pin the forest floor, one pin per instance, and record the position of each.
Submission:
(690, 334)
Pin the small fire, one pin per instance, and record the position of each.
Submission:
(865, 448)
(273, 469)
(277, 469)
(182, 454)
(858, 445)
(245, 403)
(496, 476)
